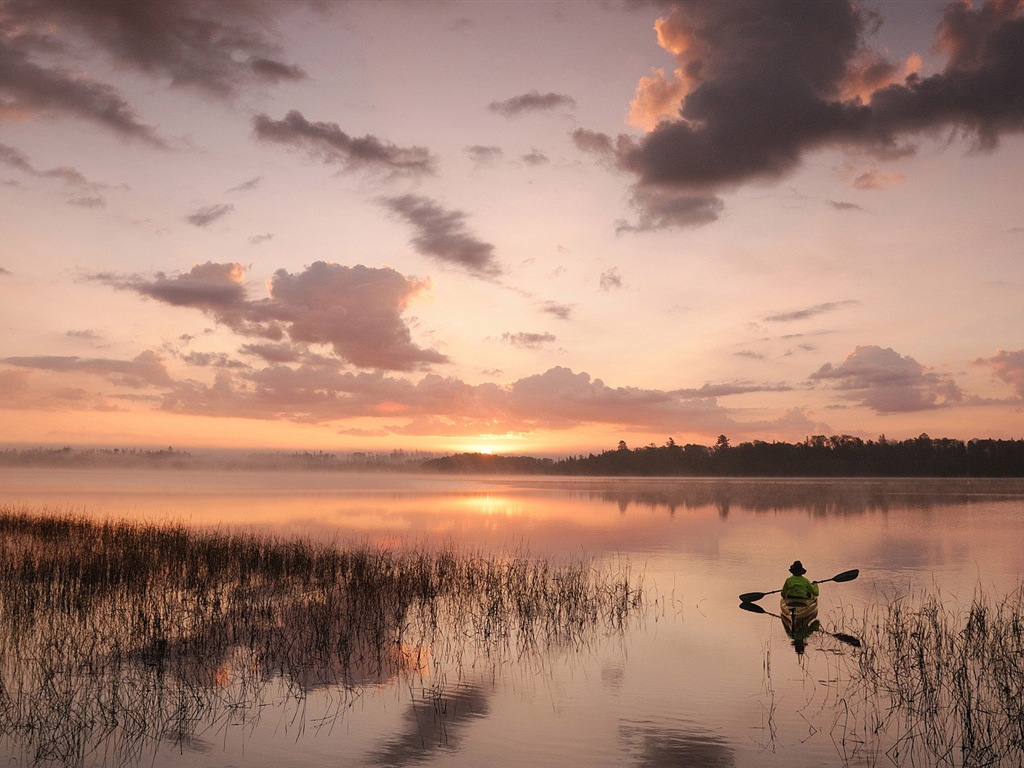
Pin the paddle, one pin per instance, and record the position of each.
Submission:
(848, 639)
(750, 597)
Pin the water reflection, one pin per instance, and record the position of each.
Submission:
(116, 639)
(432, 723)
(659, 747)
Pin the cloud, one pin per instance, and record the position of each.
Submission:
(733, 388)
(74, 178)
(248, 185)
(442, 234)
(611, 279)
(657, 98)
(27, 89)
(561, 311)
(875, 179)
(217, 47)
(1008, 367)
(15, 158)
(146, 370)
(327, 142)
(528, 340)
(434, 405)
(840, 205)
(484, 154)
(354, 310)
(534, 101)
(887, 382)
(257, 239)
(207, 215)
(594, 142)
(662, 208)
(535, 158)
(814, 311)
(764, 83)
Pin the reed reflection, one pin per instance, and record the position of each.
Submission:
(118, 638)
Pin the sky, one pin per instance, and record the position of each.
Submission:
(519, 227)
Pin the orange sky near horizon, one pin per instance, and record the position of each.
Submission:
(528, 228)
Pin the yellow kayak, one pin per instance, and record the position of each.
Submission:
(798, 612)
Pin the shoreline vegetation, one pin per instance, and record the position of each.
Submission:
(816, 456)
(118, 639)
(937, 682)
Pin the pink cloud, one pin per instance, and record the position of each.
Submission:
(1008, 367)
(887, 382)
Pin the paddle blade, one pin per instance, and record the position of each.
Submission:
(847, 575)
(750, 597)
(752, 607)
(848, 639)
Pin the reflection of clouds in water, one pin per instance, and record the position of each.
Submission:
(658, 747)
(433, 723)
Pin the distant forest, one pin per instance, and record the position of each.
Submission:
(816, 456)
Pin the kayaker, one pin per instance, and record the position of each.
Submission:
(799, 585)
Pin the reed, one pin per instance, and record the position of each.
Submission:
(117, 637)
(939, 683)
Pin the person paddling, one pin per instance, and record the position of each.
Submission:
(798, 585)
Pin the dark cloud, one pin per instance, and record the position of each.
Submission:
(327, 142)
(528, 340)
(442, 234)
(817, 309)
(212, 45)
(766, 82)
(1008, 367)
(275, 71)
(661, 208)
(354, 310)
(209, 214)
(27, 89)
(887, 382)
(611, 279)
(534, 101)
(594, 142)
(257, 239)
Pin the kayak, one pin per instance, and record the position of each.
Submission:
(798, 612)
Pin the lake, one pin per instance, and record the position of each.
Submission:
(691, 681)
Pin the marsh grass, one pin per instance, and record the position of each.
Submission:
(937, 684)
(117, 636)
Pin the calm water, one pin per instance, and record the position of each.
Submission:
(696, 682)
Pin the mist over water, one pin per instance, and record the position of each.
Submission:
(695, 681)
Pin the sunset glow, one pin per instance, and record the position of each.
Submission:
(509, 228)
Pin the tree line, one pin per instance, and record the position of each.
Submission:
(815, 456)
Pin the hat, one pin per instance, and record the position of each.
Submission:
(797, 568)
